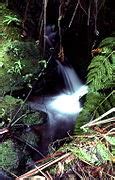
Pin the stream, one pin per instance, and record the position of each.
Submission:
(62, 108)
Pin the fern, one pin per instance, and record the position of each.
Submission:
(100, 80)
(11, 19)
(101, 69)
(108, 42)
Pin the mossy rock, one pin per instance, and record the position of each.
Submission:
(8, 156)
(35, 118)
(19, 64)
(19, 61)
(30, 138)
(8, 108)
(8, 31)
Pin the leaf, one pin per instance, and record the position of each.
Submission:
(111, 140)
(83, 154)
(1, 64)
(102, 152)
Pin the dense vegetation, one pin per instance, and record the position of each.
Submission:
(31, 33)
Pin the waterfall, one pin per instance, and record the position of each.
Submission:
(67, 102)
(62, 109)
(71, 80)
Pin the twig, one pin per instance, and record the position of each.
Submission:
(59, 27)
(110, 125)
(81, 169)
(25, 15)
(28, 144)
(18, 119)
(42, 167)
(74, 13)
(48, 157)
(49, 175)
(113, 177)
(81, 177)
(82, 8)
(103, 121)
(89, 13)
(44, 17)
(41, 172)
(9, 172)
(3, 130)
(109, 132)
(99, 118)
(102, 103)
(10, 124)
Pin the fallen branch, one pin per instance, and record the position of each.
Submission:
(42, 167)
(99, 118)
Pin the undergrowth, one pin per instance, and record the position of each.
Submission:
(100, 80)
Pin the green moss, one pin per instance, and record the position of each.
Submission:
(7, 31)
(18, 60)
(8, 108)
(19, 64)
(34, 118)
(8, 157)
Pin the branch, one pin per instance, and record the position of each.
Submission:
(42, 167)
(99, 118)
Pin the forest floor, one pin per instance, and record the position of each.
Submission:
(88, 156)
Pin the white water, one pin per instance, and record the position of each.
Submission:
(70, 77)
(66, 102)
(62, 109)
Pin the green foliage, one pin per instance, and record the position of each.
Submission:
(34, 118)
(8, 157)
(9, 20)
(103, 152)
(8, 107)
(111, 140)
(20, 62)
(100, 80)
(92, 151)
(16, 69)
(23, 50)
(101, 69)
(93, 99)
(108, 42)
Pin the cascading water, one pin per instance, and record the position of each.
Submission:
(71, 80)
(67, 102)
(62, 109)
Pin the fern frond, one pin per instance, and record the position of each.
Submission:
(101, 81)
(100, 71)
(108, 42)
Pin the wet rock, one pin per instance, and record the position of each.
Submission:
(8, 108)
